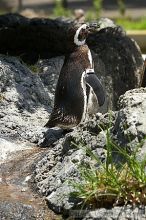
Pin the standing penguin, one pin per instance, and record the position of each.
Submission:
(78, 89)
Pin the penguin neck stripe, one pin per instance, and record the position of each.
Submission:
(76, 40)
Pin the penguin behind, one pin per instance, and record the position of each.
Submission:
(78, 89)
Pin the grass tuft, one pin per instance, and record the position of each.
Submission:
(111, 184)
(131, 24)
(59, 10)
(34, 68)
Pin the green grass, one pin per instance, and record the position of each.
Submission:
(3, 11)
(129, 24)
(111, 184)
(34, 68)
(59, 11)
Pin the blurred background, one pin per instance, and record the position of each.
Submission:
(131, 14)
(134, 9)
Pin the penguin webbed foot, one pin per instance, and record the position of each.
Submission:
(50, 136)
(66, 131)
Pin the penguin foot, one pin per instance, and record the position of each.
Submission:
(66, 131)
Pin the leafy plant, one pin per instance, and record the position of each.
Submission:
(130, 24)
(122, 7)
(60, 10)
(98, 6)
(90, 15)
(111, 184)
(34, 68)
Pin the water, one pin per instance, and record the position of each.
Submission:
(15, 187)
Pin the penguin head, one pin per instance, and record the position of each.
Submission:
(79, 32)
(80, 35)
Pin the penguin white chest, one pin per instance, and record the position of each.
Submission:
(92, 102)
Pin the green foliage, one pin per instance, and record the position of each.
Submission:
(3, 11)
(126, 22)
(90, 15)
(111, 184)
(98, 7)
(122, 7)
(130, 24)
(60, 10)
(34, 68)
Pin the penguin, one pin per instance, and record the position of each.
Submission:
(78, 90)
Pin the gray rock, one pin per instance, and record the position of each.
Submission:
(120, 213)
(59, 167)
(118, 61)
(49, 70)
(130, 125)
(26, 99)
(16, 211)
(105, 22)
(54, 172)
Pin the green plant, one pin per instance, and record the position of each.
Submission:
(98, 6)
(90, 15)
(59, 10)
(34, 68)
(111, 184)
(130, 24)
(122, 7)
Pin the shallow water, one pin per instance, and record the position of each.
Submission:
(15, 181)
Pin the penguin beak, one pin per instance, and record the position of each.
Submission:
(92, 27)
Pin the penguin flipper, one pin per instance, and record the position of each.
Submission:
(93, 81)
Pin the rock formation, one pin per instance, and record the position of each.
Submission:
(26, 99)
(61, 162)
